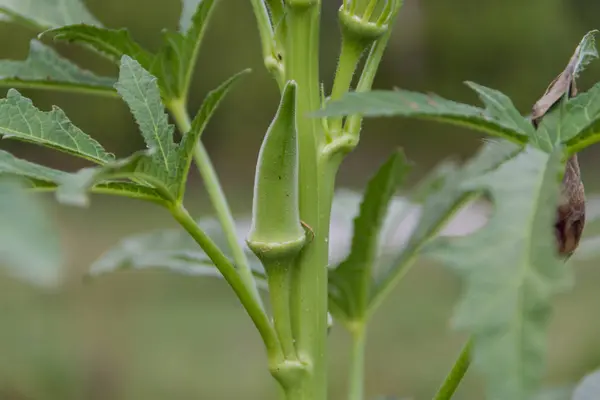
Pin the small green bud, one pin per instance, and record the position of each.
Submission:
(368, 24)
(276, 230)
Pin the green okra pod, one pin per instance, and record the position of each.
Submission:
(276, 235)
(276, 230)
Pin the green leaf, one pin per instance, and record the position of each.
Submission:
(44, 178)
(29, 245)
(110, 43)
(131, 190)
(175, 61)
(73, 188)
(169, 249)
(588, 388)
(439, 207)
(140, 90)
(11, 165)
(191, 138)
(511, 270)
(582, 110)
(581, 124)
(20, 119)
(380, 103)
(45, 68)
(499, 106)
(42, 14)
(350, 282)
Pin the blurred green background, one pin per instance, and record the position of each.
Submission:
(159, 336)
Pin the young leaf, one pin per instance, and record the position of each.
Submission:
(350, 282)
(45, 68)
(173, 250)
(110, 43)
(439, 207)
(140, 90)
(42, 14)
(499, 106)
(175, 61)
(511, 270)
(429, 107)
(29, 246)
(191, 138)
(20, 119)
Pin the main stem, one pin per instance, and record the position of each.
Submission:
(317, 177)
(456, 374)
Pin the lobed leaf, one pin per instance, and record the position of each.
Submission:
(511, 272)
(44, 178)
(20, 119)
(499, 106)
(73, 188)
(350, 282)
(29, 246)
(175, 61)
(110, 43)
(45, 68)
(169, 249)
(35, 173)
(191, 138)
(42, 14)
(581, 124)
(140, 90)
(380, 103)
(439, 207)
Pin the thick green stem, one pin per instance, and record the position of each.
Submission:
(317, 177)
(356, 390)
(217, 197)
(279, 290)
(456, 374)
(231, 275)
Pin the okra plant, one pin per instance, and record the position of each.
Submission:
(511, 267)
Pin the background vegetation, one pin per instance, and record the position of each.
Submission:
(154, 336)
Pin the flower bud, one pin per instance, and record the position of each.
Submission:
(366, 21)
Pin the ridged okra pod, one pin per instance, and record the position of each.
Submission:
(276, 235)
